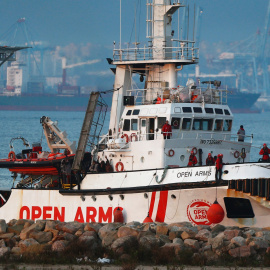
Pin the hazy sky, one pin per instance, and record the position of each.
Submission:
(81, 21)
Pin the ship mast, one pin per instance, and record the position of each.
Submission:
(158, 61)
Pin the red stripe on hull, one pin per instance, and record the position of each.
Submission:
(162, 206)
(151, 208)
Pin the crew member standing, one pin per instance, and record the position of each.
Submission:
(192, 160)
(210, 161)
(241, 134)
(265, 151)
(219, 165)
(167, 130)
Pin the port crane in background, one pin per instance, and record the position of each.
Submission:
(64, 87)
(248, 60)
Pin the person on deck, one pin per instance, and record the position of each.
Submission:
(219, 165)
(166, 130)
(241, 134)
(265, 151)
(66, 169)
(192, 161)
(210, 161)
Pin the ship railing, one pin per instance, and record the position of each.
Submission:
(205, 138)
(161, 95)
(184, 50)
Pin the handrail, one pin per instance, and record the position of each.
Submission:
(219, 136)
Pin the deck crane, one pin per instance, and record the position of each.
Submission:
(64, 88)
(261, 57)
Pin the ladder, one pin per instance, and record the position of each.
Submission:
(88, 119)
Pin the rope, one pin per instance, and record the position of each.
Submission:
(163, 175)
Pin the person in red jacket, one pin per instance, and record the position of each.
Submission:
(265, 151)
(219, 165)
(210, 161)
(192, 161)
(167, 130)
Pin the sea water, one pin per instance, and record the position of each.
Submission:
(26, 124)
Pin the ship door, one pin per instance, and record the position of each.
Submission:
(151, 128)
(143, 129)
(147, 128)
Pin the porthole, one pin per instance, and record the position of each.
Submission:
(182, 157)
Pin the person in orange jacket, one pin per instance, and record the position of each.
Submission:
(265, 151)
(219, 165)
(192, 161)
(167, 130)
(210, 161)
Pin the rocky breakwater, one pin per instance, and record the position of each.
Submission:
(150, 242)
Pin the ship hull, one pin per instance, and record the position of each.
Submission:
(180, 196)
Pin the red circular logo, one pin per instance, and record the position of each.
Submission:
(197, 212)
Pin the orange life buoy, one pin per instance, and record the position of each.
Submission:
(243, 155)
(133, 135)
(194, 149)
(11, 155)
(236, 154)
(121, 166)
(171, 153)
(126, 137)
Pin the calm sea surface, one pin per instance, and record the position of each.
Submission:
(27, 124)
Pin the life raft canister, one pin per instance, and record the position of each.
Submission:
(121, 165)
(11, 155)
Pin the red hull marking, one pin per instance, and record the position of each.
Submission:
(151, 208)
(45, 212)
(162, 206)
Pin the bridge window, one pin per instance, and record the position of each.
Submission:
(136, 112)
(197, 124)
(197, 109)
(227, 112)
(129, 112)
(227, 125)
(207, 124)
(202, 124)
(177, 110)
(134, 124)
(161, 121)
(175, 122)
(218, 111)
(186, 124)
(209, 110)
(143, 123)
(218, 125)
(126, 126)
(186, 109)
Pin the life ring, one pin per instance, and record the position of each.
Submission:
(126, 137)
(194, 149)
(243, 155)
(175, 123)
(121, 166)
(11, 155)
(133, 135)
(171, 153)
(236, 154)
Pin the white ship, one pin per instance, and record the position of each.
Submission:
(151, 178)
